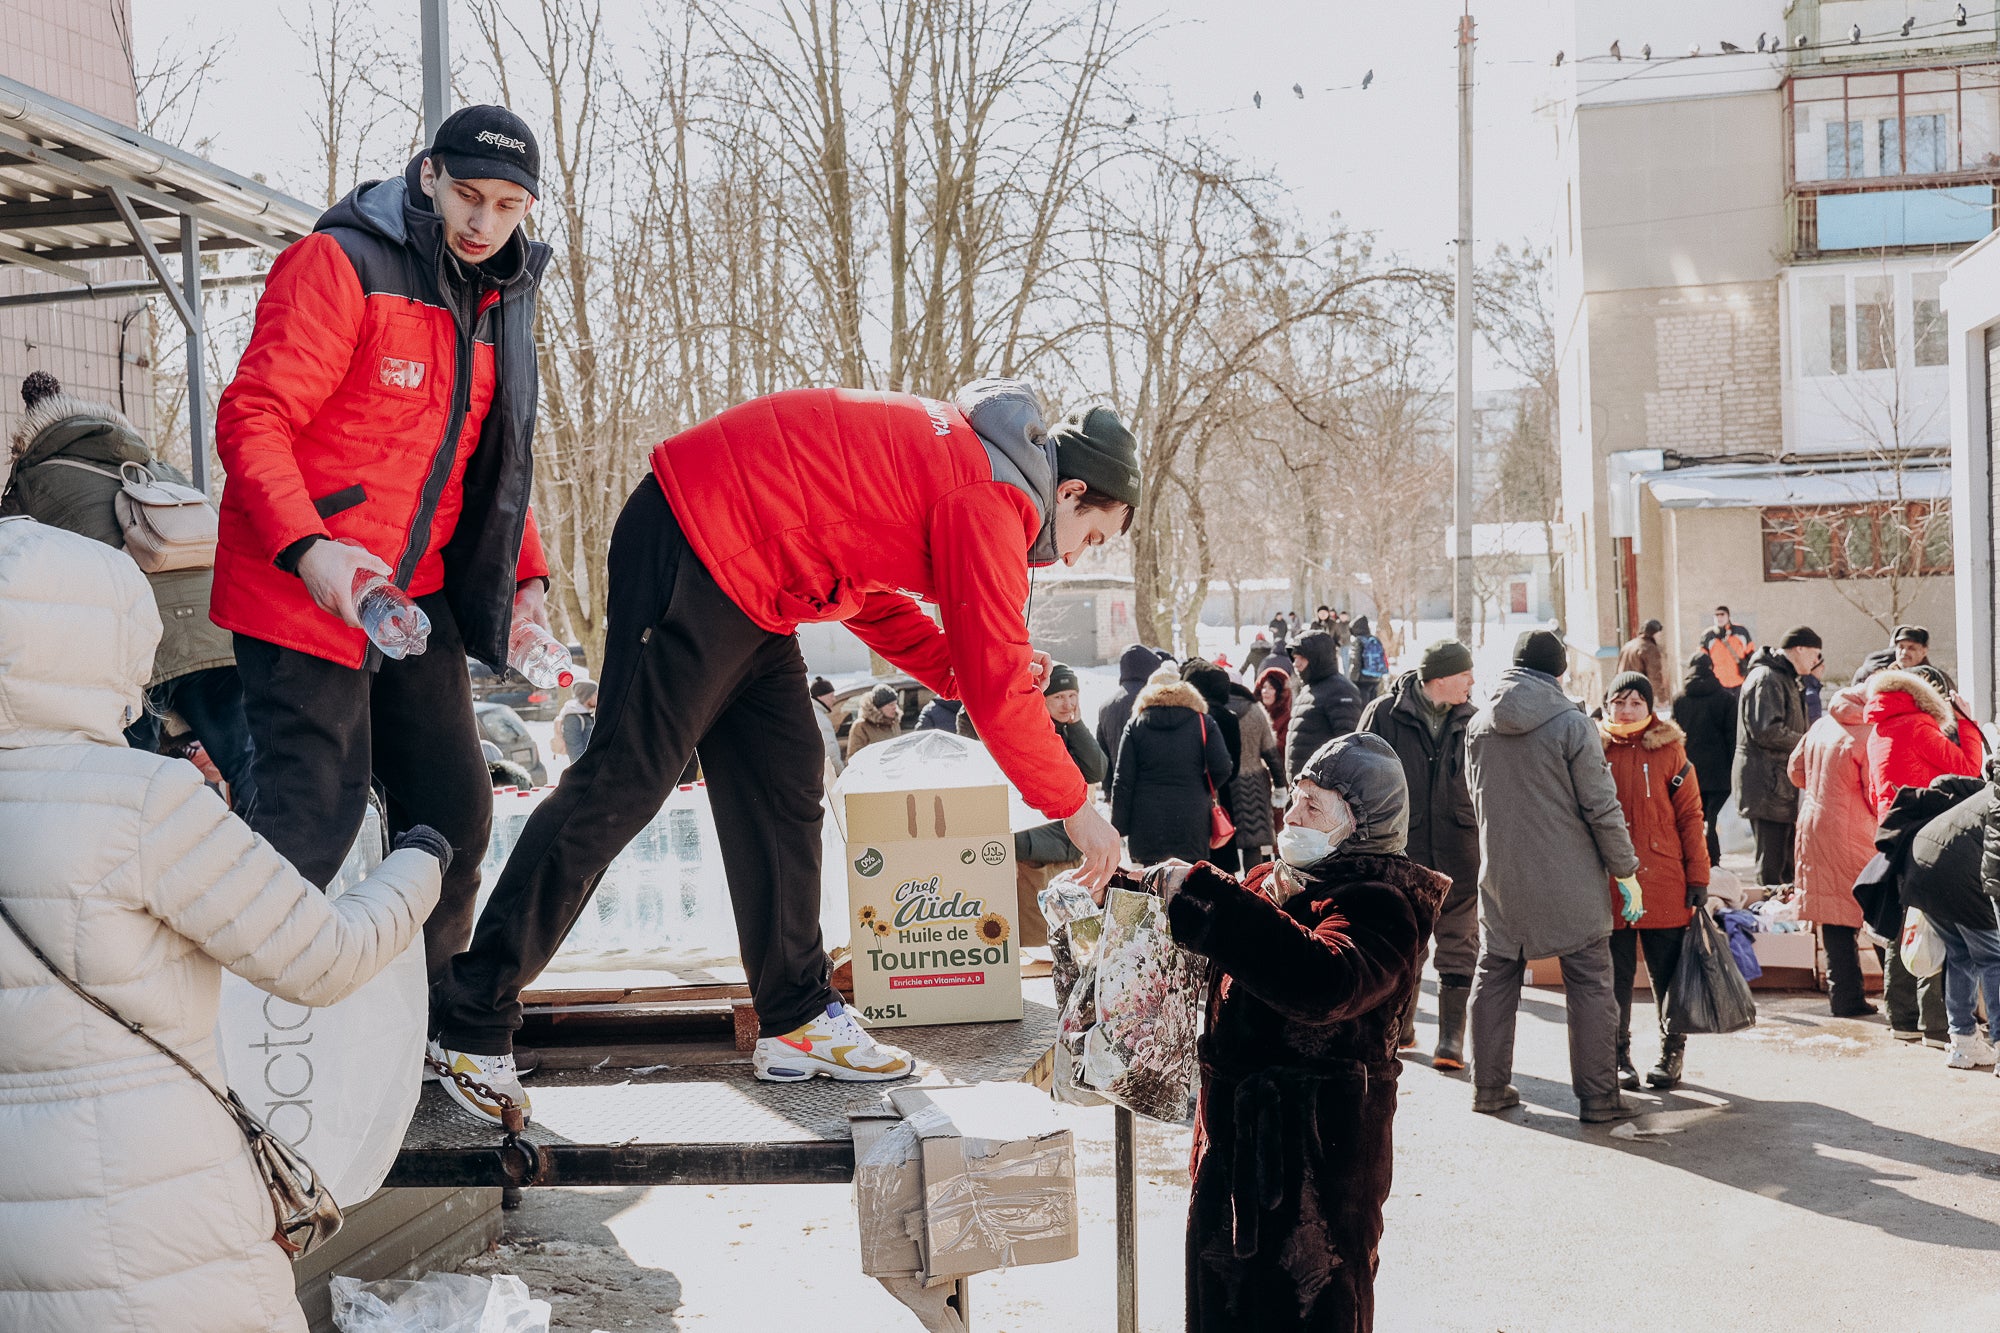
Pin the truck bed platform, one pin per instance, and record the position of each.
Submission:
(693, 1113)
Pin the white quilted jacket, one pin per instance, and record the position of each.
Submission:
(128, 1202)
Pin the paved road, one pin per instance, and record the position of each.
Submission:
(1823, 1178)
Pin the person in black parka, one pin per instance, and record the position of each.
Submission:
(1327, 704)
(1169, 760)
(1707, 713)
(1317, 955)
(1134, 664)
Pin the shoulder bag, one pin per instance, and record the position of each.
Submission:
(166, 525)
(305, 1213)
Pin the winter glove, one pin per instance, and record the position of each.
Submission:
(1635, 901)
(1697, 895)
(427, 839)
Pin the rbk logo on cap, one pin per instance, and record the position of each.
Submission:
(498, 140)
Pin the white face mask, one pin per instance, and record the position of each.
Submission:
(1303, 846)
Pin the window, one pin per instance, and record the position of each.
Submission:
(1922, 136)
(1857, 541)
(1843, 150)
(1874, 323)
(1933, 347)
(1823, 325)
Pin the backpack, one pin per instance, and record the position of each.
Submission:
(1374, 662)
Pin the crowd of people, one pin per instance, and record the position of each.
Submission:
(1323, 825)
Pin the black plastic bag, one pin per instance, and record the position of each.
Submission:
(1708, 993)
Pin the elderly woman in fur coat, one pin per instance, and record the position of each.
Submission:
(1316, 954)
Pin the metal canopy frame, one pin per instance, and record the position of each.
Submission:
(77, 187)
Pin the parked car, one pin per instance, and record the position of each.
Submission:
(503, 726)
(510, 689)
(845, 705)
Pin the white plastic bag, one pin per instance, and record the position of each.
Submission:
(338, 1083)
(438, 1303)
(1921, 950)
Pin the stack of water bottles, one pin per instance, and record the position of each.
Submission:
(399, 628)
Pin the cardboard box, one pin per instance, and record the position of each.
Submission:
(930, 879)
(963, 1180)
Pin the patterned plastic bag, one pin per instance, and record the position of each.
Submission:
(1145, 1000)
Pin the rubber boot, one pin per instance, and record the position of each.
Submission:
(1598, 1110)
(1628, 1075)
(1667, 1073)
(1450, 1053)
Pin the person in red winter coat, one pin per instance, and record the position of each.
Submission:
(811, 506)
(1909, 745)
(381, 422)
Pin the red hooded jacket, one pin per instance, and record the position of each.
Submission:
(1908, 747)
(366, 409)
(820, 505)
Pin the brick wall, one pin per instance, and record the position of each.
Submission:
(1716, 364)
(78, 51)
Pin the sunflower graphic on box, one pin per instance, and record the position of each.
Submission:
(993, 929)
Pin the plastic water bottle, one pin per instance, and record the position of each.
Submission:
(536, 654)
(394, 624)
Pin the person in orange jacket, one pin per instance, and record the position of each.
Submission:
(1661, 798)
(1729, 646)
(809, 506)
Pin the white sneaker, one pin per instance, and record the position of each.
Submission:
(834, 1045)
(495, 1072)
(1969, 1050)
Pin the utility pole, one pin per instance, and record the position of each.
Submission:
(436, 25)
(1461, 583)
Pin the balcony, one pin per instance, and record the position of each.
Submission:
(1897, 162)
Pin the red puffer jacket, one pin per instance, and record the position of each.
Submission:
(837, 504)
(1661, 798)
(1908, 747)
(372, 408)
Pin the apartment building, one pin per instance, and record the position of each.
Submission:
(1751, 247)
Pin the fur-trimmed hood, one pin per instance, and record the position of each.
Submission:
(1178, 694)
(60, 407)
(1884, 686)
(1656, 737)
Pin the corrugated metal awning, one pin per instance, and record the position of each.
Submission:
(1797, 485)
(75, 186)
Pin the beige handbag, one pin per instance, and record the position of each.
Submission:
(166, 525)
(303, 1208)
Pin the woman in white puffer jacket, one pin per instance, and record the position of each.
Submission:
(128, 1200)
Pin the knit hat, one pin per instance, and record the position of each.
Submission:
(1634, 681)
(1800, 636)
(1541, 650)
(1166, 674)
(1916, 634)
(1095, 448)
(821, 685)
(1061, 677)
(883, 696)
(1446, 657)
(38, 385)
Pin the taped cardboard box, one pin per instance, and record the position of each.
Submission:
(930, 876)
(963, 1180)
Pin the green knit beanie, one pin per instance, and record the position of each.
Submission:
(1446, 657)
(1061, 677)
(1095, 448)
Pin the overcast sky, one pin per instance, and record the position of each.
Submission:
(1385, 159)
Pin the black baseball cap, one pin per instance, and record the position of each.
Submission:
(489, 143)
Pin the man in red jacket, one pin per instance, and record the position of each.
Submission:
(809, 506)
(381, 420)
